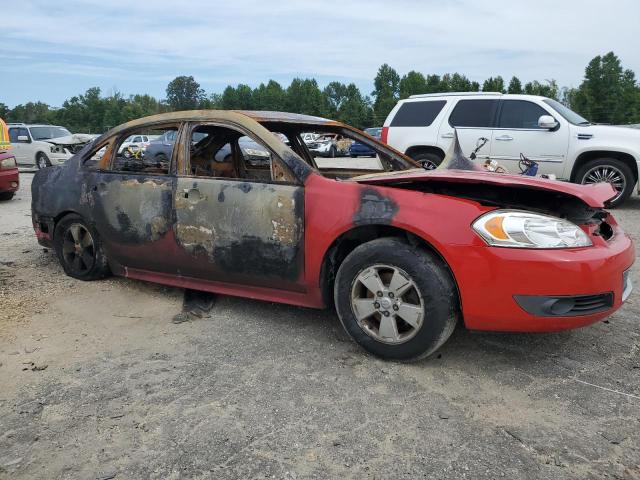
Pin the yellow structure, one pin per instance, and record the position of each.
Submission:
(5, 144)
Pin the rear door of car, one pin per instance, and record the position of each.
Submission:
(234, 222)
(131, 207)
(473, 119)
(517, 132)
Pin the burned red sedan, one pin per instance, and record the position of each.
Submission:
(221, 204)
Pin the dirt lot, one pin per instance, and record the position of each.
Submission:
(97, 383)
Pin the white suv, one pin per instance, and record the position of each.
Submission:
(37, 145)
(561, 141)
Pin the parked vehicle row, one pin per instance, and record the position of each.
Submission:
(562, 142)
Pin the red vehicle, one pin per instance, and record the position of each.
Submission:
(9, 177)
(401, 252)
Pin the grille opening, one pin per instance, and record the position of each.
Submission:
(604, 230)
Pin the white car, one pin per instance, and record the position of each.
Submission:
(44, 145)
(134, 144)
(561, 141)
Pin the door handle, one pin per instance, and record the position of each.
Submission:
(192, 194)
(504, 138)
(447, 135)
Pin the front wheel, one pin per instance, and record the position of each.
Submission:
(396, 300)
(79, 249)
(42, 161)
(429, 161)
(610, 170)
(6, 196)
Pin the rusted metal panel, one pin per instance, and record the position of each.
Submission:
(241, 231)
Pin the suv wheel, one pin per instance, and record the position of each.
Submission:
(610, 170)
(42, 161)
(429, 161)
(396, 300)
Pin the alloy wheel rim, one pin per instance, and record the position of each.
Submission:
(42, 163)
(608, 174)
(387, 304)
(78, 248)
(429, 165)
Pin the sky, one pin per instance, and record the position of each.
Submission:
(50, 51)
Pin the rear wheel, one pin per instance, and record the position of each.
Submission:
(396, 300)
(6, 195)
(42, 161)
(79, 249)
(610, 170)
(429, 161)
(332, 152)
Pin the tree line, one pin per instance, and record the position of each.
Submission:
(608, 94)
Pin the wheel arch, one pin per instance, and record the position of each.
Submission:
(589, 155)
(347, 241)
(417, 149)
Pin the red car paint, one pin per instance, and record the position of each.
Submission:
(9, 177)
(487, 277)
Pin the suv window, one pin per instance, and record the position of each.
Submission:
(417, 114)
(14, 133)
(473, 113)
(520, 114)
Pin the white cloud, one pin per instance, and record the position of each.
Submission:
(250, 41)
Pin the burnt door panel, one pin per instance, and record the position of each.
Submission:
(241, 232)
(133, 215)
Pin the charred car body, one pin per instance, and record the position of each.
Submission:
(402, 253)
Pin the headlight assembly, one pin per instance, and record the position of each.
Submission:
(256, 153)
(517, 229)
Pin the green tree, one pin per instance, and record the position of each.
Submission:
(355, 109)
(335, 94)
(413, 83)
(304, 96)
(30, 112)
(386, 92)
(269, 97)
(492, 84)
(608, 93)
(184, 93)
(515, 86)
(550, 89)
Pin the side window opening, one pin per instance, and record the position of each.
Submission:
(222, 152)
(153, 156)
(95, 160)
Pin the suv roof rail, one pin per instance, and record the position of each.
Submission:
(16, 123)
(454, 94)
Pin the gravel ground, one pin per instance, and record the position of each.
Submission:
(97, 383)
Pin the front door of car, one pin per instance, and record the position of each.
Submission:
(517, 132)
(132, 209)
(472, 119)
(234, 223)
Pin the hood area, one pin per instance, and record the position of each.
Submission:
(75, 139)
(457, 176)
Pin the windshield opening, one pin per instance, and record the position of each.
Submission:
(46, 133)
(568, 114)
(340, 152)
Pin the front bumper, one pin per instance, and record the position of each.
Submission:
(494, 281)
(9, 180)
(59, 158)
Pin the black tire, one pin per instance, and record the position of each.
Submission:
(352, 155)
(126, 153)
(4, 196)
(42, 161)
(91, 263)
(584, 175)
(428, 160)
(332, 152)
(432, 281)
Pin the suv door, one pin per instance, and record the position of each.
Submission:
(20, 149)
(235, 222)
(473, 119)
(517, 132)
